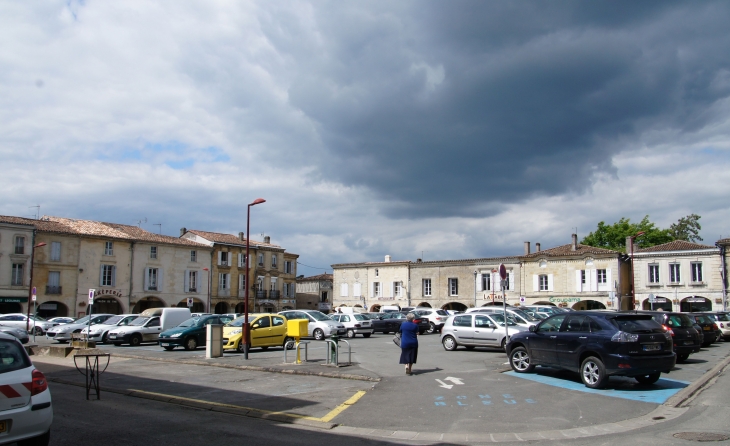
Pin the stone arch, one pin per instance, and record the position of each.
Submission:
(589, 305)
(106, 304)
(660, 304)
(198, 305)
(454, 306)
(375, 308)
(51, 309)
(544, 302)
(11, 307)
(221, 308)
(695, 303)
(240, 307)
(148, 302)
(357, 306)
(424, 305)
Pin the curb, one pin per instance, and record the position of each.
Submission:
(683, 396)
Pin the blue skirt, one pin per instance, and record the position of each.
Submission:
(408, 355)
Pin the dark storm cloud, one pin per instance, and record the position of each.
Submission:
(449, 108)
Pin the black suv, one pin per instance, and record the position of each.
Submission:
(685, 337)
(710, 331)
(597, 345)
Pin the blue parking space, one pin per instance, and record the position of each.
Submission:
(618, 387)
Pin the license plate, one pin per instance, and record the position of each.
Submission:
(112, 336)
(341, 331)
(3, 426)
(165, 344)
(706, 328)
(688, 342)
(652, 347)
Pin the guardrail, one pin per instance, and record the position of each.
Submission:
(299, 345)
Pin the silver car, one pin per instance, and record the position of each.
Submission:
(100, 332)
(521, 318)
(62, 333)
(477, 330)
(320, 326)
(34, 324)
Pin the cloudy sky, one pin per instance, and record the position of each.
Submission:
(432, 129)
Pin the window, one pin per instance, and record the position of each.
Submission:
(241, 283)
(223, 281)
(153, 252)
(426, 287)
(376, 289)
(193, 281)
(357, 289)
(343, 290)
(696, 271)
(674, 273)
(376, 272)
(486, 282)
(108, 273)
(462, 321)
(602, 276)
(261, 259)
(288, 267)
(272, 284)
(543, 282)
(152, 276)
(20, 245)
(583, 277)
(552, 324)
(453, 287)
(108, 248)
(260, 283)
(286, 289)
(54, 282)
(193, 256)
(224, 258)
(397, 289)
(653, 273)
(17, 278)
(56, 251)
(274, 261)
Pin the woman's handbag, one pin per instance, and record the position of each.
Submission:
(396, 339)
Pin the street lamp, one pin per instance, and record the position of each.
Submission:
(30, 286)
(633, 291)
(209, 286)
(246, 328)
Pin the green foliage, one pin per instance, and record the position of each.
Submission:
(687, 228)
(614, 236)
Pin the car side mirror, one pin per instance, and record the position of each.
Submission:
(533, 328)
(255, 326)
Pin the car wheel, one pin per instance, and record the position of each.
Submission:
(593, 373)
(38, 331)
(706, 344)
(287, 340)
(191, 343)
(135, 340)
(519, 360)
(41, 440)
(683, 357)
(449, 343)
(503, 345)
(239, 347)
(168, 348)
(350, 333)
(385, 332)
(319, 334)
(648, 379)
(105, 337)
(366, 335)
(431, 328)
(265, 347)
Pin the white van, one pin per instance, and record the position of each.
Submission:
(351, 310)
(148, 326)
(389, 309)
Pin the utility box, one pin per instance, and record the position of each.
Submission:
(297, 328)
(214, 341)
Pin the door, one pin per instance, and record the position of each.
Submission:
(463, 330)
(278, 330)
(485, 331)
(261, 332)
(572, 338)
(544, 342)
(151, 330)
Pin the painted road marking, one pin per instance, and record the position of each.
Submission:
(456, 381)
(480, 400)
(444, 385)
(618, 387)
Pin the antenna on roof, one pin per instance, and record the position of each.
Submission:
(37, 211)
(139, 222)
(160, 225)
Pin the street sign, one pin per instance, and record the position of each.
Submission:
(33, 297)
(502, 271)
(522, 298)
(190, 301)
(652, 299)
(91, 296)
(34, 293)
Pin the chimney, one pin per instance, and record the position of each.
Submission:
(628, 244)
(183, 231)
(537, 247)
(387, 259)
(419, 260)
(574, 246)
(240, 236)
(527, 248)
(267, 239)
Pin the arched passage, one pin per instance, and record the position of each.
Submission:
(660, 304)
(240, 307)
(52, 309)
(287, 307)
(589, 305)
(221, 308)
(198, 305)
(424, 305)
(454, 306)
(146, 303)
(11, 307)
(695, 303)
(375, 308)
(106, 304)
(543, 302)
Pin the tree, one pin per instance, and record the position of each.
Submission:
(687, 228)
(614, 236)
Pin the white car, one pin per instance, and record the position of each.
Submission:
(522, 318)
(477, 330)
(25, 408)
(436, 318)
(355, 324)
(61, 320)
(100, 332)
(19, 320)
(320, 326)
(62, 333)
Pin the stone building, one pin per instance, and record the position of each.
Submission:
(17, 238)
(371, 285)
(315, 293)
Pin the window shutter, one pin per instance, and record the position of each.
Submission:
(478, 285)
(159, 279)
(535, 282)
(495, 282)
(220, 257)
(186, 281)
(609, 282)
(550, 282)
(578, 285)
(228, 280)
(114, 275)
(343, 290)
(511, 278)
(372, 289)
(101, 275)
(240, 260)
(356, 291)
(594, 280)
(146, 279)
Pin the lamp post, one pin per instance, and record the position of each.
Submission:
(209, 287)
(633, 290)
(246, 328)
(30, 286)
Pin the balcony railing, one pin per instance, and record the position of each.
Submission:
(274, 294)
(260, 294)
(53, 289)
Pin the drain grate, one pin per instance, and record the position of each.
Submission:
(701, 436)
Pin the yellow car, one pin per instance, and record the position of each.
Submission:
(267, 330)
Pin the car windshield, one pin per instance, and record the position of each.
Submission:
(192, 322)
(38, 318)
(318, 316)
(637, 324)
(83, 320)
(12, 357)
(525, 316)
(360, 317)
(239, 322)
(499, 319)
(679, 320)
(139, 321)
(722, 317)
(113, 320)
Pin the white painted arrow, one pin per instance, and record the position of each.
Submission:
(456, 381)
(444, 385)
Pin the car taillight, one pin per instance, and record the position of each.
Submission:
(39, 383)
(668, 330)
(714, 326)
(357, 325)
(622, 336)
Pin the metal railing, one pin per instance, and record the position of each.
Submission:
(53, 289)
(333, 352)
(299, 346)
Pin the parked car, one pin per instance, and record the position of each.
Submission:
(436, 318)
(320, 326)
(62, 333)
(390, 322)
(36, 324)
(191, 333)
(707, 328)
(596, 345)
(100, 332)
(477, 330)
(722, 319)
(267, 330)
(19, 333)
(685, 337)
(520, 317)
(26, 412)
(355, 324)
(61, 320)
(547, 309)
(148, 326)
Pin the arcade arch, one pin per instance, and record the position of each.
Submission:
(589, 305)
(106, 304)
(147, 303)
(52, 309)
(695, 303)
(454, 306)
(221, 308)
(660, 304)
(424, 305)
(198, 305)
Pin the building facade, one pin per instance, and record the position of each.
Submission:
(371, 285)
(315, 292)
(17, 238)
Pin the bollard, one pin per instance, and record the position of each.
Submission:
(333, 349)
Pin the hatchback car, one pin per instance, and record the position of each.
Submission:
(25, 408)
(267, 330)
(596, 345)
(35, 324)
(18, 333)
(477, 330)
(707, 326)
(100, 332)
(723, 323)
(390, 322)
(191, 333)
(355, 324)
(685, 337)
(436, 318)
(319, 324)
(62, 333)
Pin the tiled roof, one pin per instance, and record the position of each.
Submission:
(566, 250)
(676, 245)
(490, 260)
(316, 278)
(16, 220)
(392, 262)
(228, 239)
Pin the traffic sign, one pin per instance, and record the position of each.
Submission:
(91, 296)
(652, 299)
(502, 271)
(190, 301)
(34, 293)
(522, 298)
(33, 297)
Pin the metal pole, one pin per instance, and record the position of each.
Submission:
(245, 305)
(475, 289)
(30, 285)
(633, 291)
(504, 306)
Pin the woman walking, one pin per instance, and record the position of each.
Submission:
(408, 342)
